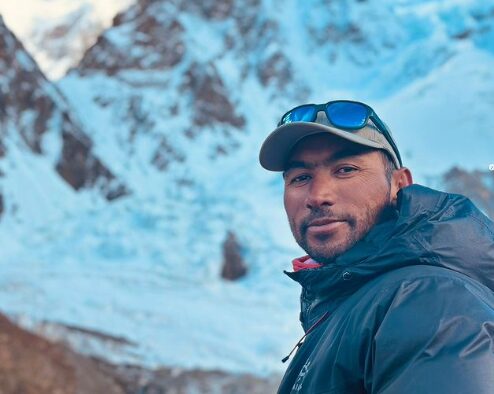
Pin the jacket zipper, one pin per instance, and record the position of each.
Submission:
(301, 340)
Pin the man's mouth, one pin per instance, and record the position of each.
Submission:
(323, 226)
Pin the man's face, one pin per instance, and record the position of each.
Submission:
(335, 192)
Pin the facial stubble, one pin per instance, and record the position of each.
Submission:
(325, 251)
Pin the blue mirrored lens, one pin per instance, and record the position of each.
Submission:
(347, 115)
(305, 113)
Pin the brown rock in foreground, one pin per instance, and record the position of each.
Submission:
(136, 380)
(32, 365)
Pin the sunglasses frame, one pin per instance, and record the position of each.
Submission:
(371, 114)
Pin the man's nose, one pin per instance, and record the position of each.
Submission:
(321, 192)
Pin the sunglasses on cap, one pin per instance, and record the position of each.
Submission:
(343, 114)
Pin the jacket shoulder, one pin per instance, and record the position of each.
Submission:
(438, 278)
(432, 320)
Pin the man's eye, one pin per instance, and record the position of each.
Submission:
(299, 179)
(346, 170)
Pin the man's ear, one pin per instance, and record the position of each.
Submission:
(401, 178)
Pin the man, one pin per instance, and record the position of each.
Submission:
(397, 287)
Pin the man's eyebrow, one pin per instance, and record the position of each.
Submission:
(296, 164)
(339, 155)
(347, 153)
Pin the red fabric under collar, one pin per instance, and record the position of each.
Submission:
(303, 263)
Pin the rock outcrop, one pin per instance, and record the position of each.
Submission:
(477, 185)
(30, 364)
(234, 266)
(34, 114)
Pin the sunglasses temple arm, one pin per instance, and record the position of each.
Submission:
(381, 126)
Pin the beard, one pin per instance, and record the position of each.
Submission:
(325, 248)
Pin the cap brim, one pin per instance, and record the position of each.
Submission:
(278, 145)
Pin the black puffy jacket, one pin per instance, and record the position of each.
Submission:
(407, 310)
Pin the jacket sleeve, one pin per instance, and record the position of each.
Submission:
(436, 336)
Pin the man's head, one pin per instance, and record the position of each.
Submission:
(336, 188)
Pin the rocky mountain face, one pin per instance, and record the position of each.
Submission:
(168, 85)
(477, 185)
(35, 117)
(217, 73)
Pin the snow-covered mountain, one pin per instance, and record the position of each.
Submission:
(46, 155)
(58, 32)
(227, 68)
(176, 98)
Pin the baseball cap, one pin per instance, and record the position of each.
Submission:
(278, 145)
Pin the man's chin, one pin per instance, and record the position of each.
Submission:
(324, 254)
